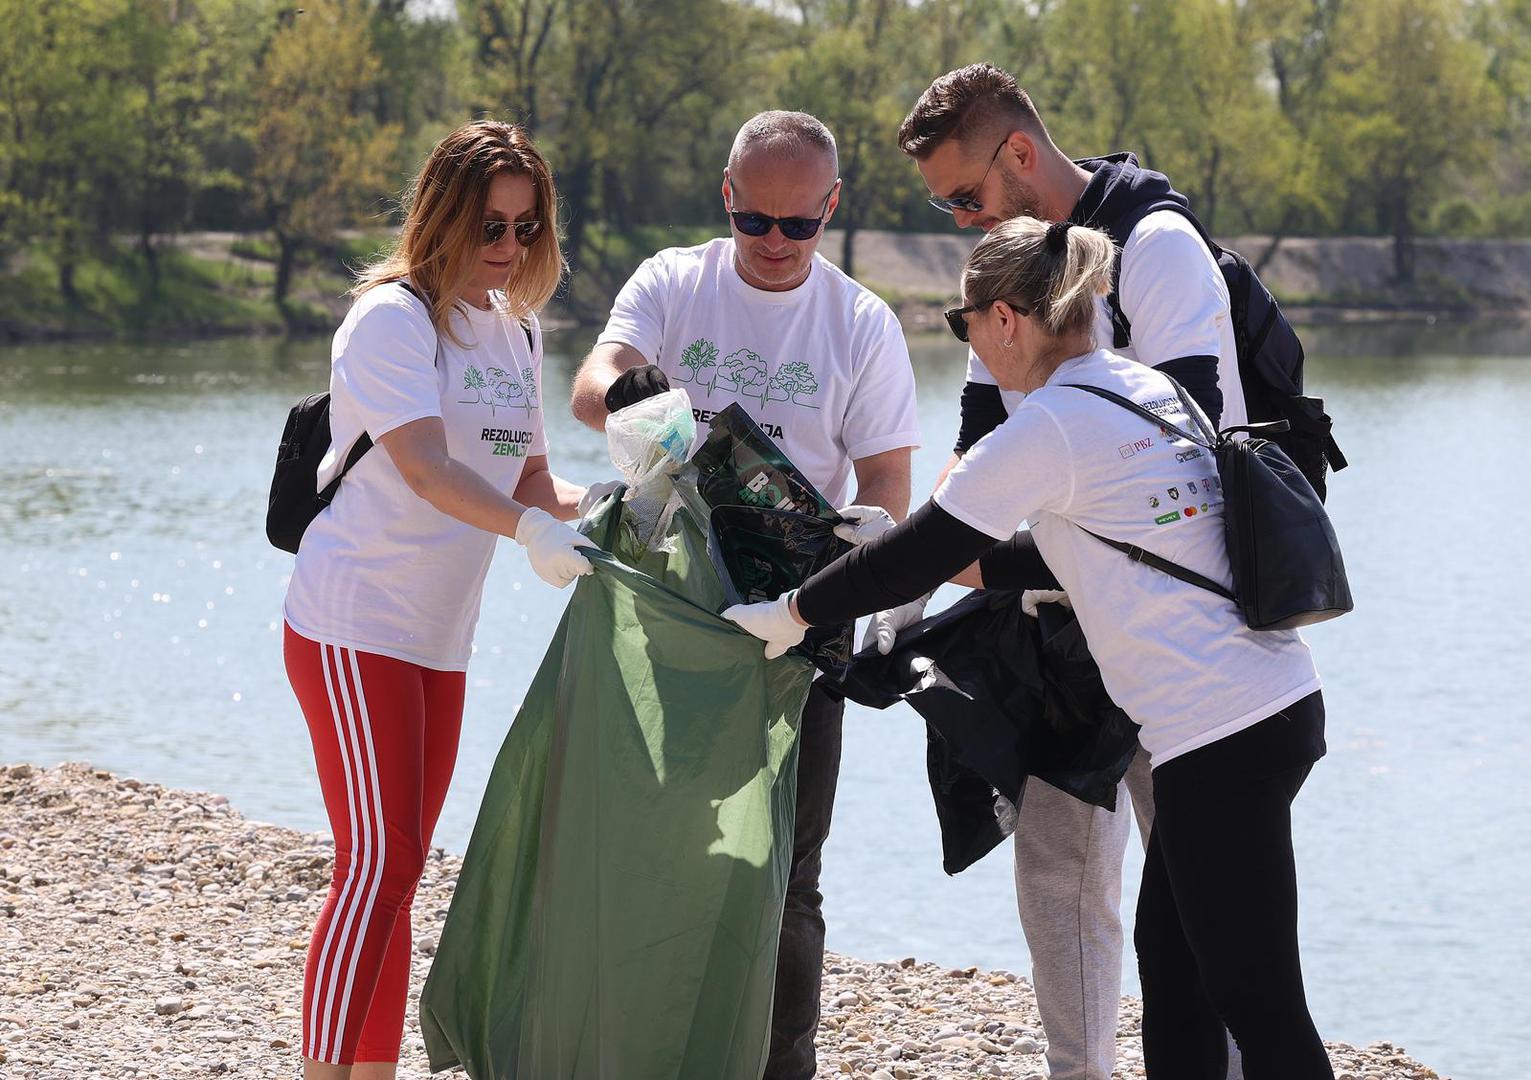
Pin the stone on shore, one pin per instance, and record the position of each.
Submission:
(149, 932)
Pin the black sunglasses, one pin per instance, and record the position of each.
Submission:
(793, 228)
(956, 317)
(526, 231)
(967, 203)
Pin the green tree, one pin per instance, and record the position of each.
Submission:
(1409, 107)
(320, 156)
(61, 131)
(845, 73)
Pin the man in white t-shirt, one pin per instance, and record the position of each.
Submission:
(986, 157)
(760, 319)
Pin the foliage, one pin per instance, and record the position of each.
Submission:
(141, 119)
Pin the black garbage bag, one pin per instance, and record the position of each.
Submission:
(770, 527)
(1004, 696)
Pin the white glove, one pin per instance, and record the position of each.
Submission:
(885, 625)
(1032, 597)
(863, 523)
(595, 493)
(771, 621)
(552, 547)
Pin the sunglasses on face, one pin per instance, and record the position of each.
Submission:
(956, 318)
(793, 228)
(967, 203)
(526, 231)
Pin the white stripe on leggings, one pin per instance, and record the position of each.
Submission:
(333, 1026)
(382, 843)
(352, 871)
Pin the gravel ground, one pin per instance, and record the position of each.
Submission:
(148, 932)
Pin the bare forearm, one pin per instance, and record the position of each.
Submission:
(588, 400)
(459, 492)
(552, 493)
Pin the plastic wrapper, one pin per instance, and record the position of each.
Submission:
(649, 442)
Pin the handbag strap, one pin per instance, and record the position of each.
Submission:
(1209, 442)
(1163, 565)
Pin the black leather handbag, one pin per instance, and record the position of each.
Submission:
(1285, 559)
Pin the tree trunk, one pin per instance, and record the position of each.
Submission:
(1403, 239)
(151, 256)
(287, 258)
(66, 265)
(848, 257)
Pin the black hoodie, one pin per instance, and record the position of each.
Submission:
(1118, 192)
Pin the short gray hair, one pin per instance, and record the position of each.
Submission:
(789, 135)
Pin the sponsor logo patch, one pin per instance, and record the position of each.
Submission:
(1165, 519)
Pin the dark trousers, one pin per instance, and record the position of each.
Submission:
(1217, 915)
(800, 956)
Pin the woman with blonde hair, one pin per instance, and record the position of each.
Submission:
(438, 363)
(1233, 718)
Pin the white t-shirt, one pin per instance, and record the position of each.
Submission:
(1178, 659)
(380, 569)
(822, 368)
(1175, 297)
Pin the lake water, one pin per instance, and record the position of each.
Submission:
(139, 630)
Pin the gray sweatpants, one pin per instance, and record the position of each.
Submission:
(1068, 886)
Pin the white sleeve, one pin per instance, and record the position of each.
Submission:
(882, 414)
(638, 313)
(386, 368)
(1020, 468)
(540, 443)
(1171, 291)
(977, 373)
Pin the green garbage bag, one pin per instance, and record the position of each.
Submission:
(619, 905)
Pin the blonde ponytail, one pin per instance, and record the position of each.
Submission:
(1056, 271)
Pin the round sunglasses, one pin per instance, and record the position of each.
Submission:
(793, 228)
(526, 231)
(956, 318)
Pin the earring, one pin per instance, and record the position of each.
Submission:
(1008, 342)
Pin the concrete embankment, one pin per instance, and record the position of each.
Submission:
(1317, 279)
(148, 932)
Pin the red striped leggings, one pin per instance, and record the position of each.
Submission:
(385, 740)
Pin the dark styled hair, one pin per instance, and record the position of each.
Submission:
(969, 101)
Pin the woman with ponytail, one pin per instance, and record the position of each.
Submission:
(1233, 718)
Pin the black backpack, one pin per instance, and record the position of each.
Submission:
(295, 499)
(1270, 354)
(1282, 552)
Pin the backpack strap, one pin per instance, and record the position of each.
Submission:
(1174, 570)
(1121, 326)
(364, 442)
(1132, 551)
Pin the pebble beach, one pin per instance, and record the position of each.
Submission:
(152, 932)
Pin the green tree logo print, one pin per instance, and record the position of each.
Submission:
(793, 382)
(699, 364)
(473, 379)
(500, 389)
(742, 373)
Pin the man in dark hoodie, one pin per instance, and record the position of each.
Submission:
(986, 157)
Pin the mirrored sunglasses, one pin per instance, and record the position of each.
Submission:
(526, 231)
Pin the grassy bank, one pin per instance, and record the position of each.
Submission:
(223, 283)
